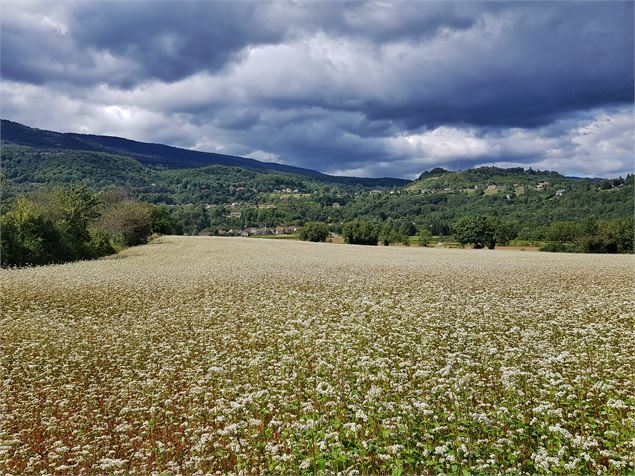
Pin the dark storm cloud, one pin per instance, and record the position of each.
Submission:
(527, 66)
(172, 40)
(356, 87)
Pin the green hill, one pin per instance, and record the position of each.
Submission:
(163, 156)
(495, 178)
(217, 195)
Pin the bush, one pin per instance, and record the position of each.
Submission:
(425, 237)
(163, 222)
(504, 231)
(557, 247)
(477, 230)
(28, 237)
(396, 232)
(62, 225)
(315, 231)
(615, 236)
(607, 236)
(389, 237)
(562, 231)
(129, 222)
(360, 232)
(100, 244)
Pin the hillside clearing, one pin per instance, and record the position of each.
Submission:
(198, 354)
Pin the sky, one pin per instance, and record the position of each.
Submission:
(349, 88)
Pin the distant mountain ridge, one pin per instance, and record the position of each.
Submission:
(233, 192)
(164, 156)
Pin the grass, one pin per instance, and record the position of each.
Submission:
(202, 354)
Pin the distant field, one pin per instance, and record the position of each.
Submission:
(293, 236)
(199, 354)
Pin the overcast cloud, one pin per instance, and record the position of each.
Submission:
(359, 88)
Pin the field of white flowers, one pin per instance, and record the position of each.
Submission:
(196, 355)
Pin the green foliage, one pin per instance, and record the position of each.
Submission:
(612, 236)
(395, 232)
(27, 236)
(190, 219)
(424, 237)
(72, 210)
(164, 222)
(562, 231)
(482, 231)
(51, 227)
(407, 227)
(69, 224)
(128, 222)
(604, 236)
(520, 196)
(504, 231)
(522, 204)
(315, 231)
(477, 230)
(558, 247)
(360, 232)
(101, 243)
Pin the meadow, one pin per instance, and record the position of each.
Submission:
(197, 355)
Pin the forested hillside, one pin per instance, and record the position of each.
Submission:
(221, 198)
(163, 156)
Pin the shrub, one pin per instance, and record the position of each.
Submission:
(163, 222)
(477, 230)
(61, 225)
(360, 232)
(425, 237)
(27, 237)
(314, 231)
(557, 247)
(562, 231)
(396, 232)
(129, 222)
(100, 244)
(615, 236)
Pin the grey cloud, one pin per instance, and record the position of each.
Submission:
(171, 40)
(433, 63)
(332, 86)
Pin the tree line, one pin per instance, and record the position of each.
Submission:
(71, 224)
(480, 231)
(67, 224)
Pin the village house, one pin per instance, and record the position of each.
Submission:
(284, 230)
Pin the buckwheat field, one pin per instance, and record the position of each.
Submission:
(196, 355)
